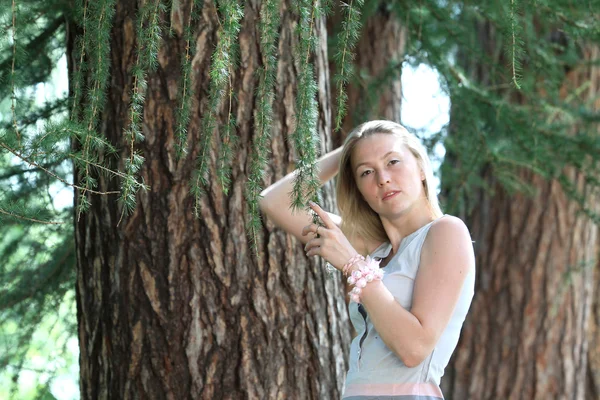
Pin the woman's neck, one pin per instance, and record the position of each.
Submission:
(405, 224)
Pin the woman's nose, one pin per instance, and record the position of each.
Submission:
(383, 178)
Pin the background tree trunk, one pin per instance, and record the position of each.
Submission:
(593, 382)
(593, 370)
(525, 336)
(173, 307)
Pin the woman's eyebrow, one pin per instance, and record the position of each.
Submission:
(366, 162)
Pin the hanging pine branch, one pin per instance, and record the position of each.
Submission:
(13, 95)
(34, 149)
(232, 15)
(186, 89)
(268, 26)
(7, 141)
(305, 137)
(220, 72)
(98, 43)
(515, 43)
(344, 56)
(149, 38)
(80, 52)
(228, 143)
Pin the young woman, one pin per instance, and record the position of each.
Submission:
(410, 296)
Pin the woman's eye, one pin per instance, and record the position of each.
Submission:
(394, 162)
(366, 172)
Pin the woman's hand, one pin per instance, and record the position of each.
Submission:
(331, 244)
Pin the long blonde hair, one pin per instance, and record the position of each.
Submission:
(358, 218)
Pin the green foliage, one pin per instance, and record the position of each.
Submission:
(186, 89)
(305, 136)
(268, 26)
(504, 64)
(37, 316)
(344, 56)
(223, 61)
(228, 59)
(37, 258)
(515, 43)
(149, 38)
(96, 47)
(506, 67)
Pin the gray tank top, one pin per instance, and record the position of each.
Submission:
(376, 371)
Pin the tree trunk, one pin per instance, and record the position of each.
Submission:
(525, 336)
(593, 381)
(173, 307)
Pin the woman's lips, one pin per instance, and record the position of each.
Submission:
(389, 195)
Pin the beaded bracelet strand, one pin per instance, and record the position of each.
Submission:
(366, 273)
(356, 258)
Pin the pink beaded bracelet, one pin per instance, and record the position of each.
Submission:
(351, 262)
(364, 274)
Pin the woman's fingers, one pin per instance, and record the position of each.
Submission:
(312, 228)
(313, 246)
(322, 214)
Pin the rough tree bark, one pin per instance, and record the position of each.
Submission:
(173, 307)
(593, 382)
(525, 336)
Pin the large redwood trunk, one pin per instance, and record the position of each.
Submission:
(173, 307)
(593, 370)
(593, 381)
(526, 334)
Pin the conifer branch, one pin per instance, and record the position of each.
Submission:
(24, 218)
(152, 37)
(100, 37)
(326, 8)
(147, 54)
(16, 171)
(514, 48)
(306, 183)
(228, 141)
(99, 166)
(350, 33)
(268, 27)
(588, 208)
(186, 88)
(43, 113)
(78, 69)
(13, 94)
(52, 174)
(35, 45)
(228, 144)
(220, 72)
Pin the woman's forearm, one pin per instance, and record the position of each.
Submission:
(276, 200)
(280, 190)
(399, 329)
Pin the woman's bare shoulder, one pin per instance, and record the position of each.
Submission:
(448, 225)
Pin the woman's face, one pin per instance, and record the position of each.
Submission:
(388, 175)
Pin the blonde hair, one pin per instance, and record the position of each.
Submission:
(358, 218)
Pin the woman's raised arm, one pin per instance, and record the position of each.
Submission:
(276, 201)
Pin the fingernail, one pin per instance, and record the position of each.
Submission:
(312, 203)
